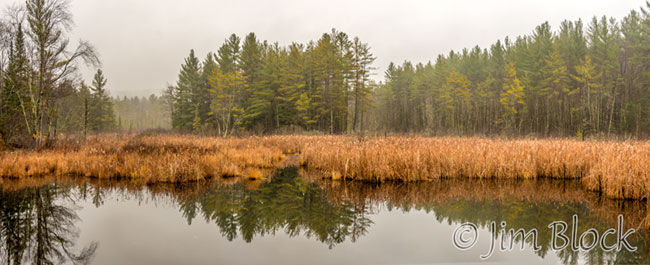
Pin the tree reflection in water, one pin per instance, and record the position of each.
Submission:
(529, 204)
(285, 203)
(37, 226)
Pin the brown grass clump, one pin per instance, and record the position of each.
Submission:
(252, 173)
(617, 169)
(148, 159)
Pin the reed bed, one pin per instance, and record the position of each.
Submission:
(618, 169)
(149, 159)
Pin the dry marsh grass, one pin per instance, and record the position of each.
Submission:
(148, 159)
(618, 169)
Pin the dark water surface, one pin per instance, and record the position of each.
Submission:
(290, 220)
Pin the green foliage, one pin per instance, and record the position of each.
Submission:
(39, 92)
(259, 87)
(15, 121)
(284, 203)
(545, 83)
(186, 93)
(101, 116)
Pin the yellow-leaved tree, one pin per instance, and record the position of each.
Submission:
(226, 90)
(512, 98)
(589, 93)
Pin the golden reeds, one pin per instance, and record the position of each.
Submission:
(150, 159)
(617, 169)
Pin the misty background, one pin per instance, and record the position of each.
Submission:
(142, 43)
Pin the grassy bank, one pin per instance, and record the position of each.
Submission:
(617, 169)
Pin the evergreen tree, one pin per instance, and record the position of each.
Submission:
(362, 58)
(554, 88)
(185, 93)
(202, 97)
(251, 62)
(263, 103)
(101, 115)
(293, 88)
(228, 54)
(15, 105)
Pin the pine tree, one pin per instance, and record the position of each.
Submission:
(293, 88)
(251, 62)
(16, 121)
(361, 60)
(101, 114)
(554, 88)
(188, 86)
(202, 98)
(228, 54)
(459, 87)
(303, 106)
(263, 103)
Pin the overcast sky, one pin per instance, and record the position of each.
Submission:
(142, 43)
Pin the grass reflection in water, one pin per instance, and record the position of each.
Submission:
(38, 220)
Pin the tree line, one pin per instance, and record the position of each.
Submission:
(585, 80)
(140, 113)
(40, 94)
(580, 80)
(255, 86)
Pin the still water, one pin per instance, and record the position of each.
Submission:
(292, 220)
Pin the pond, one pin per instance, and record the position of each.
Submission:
(291, 219)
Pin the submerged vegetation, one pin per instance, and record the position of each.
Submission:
(618, 169)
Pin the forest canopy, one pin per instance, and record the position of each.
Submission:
(255, 86)
(581, 79)
(40, 92)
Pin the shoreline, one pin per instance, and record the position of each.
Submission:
(617, 169)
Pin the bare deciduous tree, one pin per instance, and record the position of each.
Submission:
(49, 21)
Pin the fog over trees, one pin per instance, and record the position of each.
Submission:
(579, 78)
(582, 79)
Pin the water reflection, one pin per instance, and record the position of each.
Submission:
(39, 223)
(530, 204)
(37, 226)
(284, 204)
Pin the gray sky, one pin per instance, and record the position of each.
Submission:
(142, 43)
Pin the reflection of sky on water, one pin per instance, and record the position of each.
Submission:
(290, 221)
